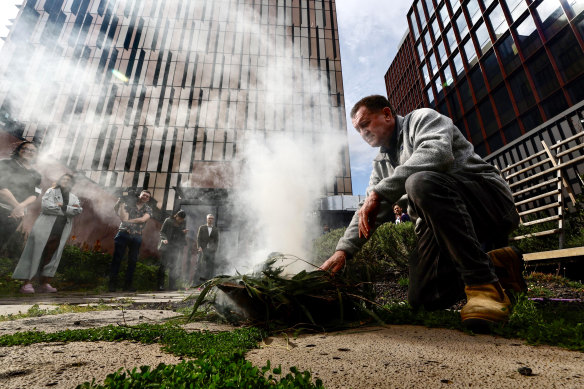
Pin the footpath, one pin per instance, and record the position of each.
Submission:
(396, 356)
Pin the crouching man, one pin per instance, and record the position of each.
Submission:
(458, 202)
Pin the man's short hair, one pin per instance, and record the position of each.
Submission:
(373, 103)
(147, 191)
(210, 215)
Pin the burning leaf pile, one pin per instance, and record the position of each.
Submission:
(305, 299)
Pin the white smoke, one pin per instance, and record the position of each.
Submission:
(294, 131)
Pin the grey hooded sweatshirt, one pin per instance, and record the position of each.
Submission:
(423, 140)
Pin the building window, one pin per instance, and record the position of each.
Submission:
(429, 7)
(516, 8)
(420, 51)
(455, 4)
(552, 17)
(430, 95)
(433, 64)
(451, 39)
(488, 117)
(439, 89)
(543, 75)
(474, 128)
(462, 26)
(554, 105)
(474, 12)
(435, 28)
(492, 70)
(495, 141)
(521, 90)
(428, 40)
(503, 104)
(482, 37)
(443, 109)
(577, 6)
(455, 105)
(442, 52)
(478, 83)
(443, 12)
(498, 22)
(568, 55)
(458, 65)
(531, 119)
(487, 3)
(447, 74)
(576, 89)
(425, 74)
(469, 51)
(508, 54)
(465, 96)
(512, 132)
(528, 37)
(421, 14)
(414, 24)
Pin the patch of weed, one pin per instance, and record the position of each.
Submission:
(220, 362)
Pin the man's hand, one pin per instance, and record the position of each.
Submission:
(335, 263)
(165, 241)
(17, 212)
(367, 215)
(200, 249)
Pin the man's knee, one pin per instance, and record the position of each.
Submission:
(421, 184)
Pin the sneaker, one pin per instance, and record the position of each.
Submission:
(27, 289)
(47, 288)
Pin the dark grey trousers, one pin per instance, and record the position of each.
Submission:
(458, 215)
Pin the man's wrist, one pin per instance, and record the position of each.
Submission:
(374, 196)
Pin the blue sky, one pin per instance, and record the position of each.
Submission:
(369, 33)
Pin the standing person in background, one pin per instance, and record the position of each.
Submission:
(48, 236)
(134, 217)
(400, 215)
(171, 247)
(19, 187)
(208, 243)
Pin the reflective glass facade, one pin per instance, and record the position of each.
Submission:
(403, 72)
(512, 64)
(162, 94)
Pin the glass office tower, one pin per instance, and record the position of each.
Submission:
(498, 68)
(163, 94)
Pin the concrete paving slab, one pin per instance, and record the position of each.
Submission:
(22, 303)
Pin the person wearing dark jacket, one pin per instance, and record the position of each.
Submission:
(208, 243)
(171, 247)
(457, 201)
(19, 187)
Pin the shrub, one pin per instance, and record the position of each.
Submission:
(390, 246)
(89, 269)
(389, 249)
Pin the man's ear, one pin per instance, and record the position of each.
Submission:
(387, 112)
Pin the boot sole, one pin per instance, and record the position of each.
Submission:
(510, 271)
(479, 326)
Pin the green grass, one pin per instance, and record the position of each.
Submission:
(219, 362)
(559, 325)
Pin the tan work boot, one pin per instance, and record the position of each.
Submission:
(508, 263)
(486, 305)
